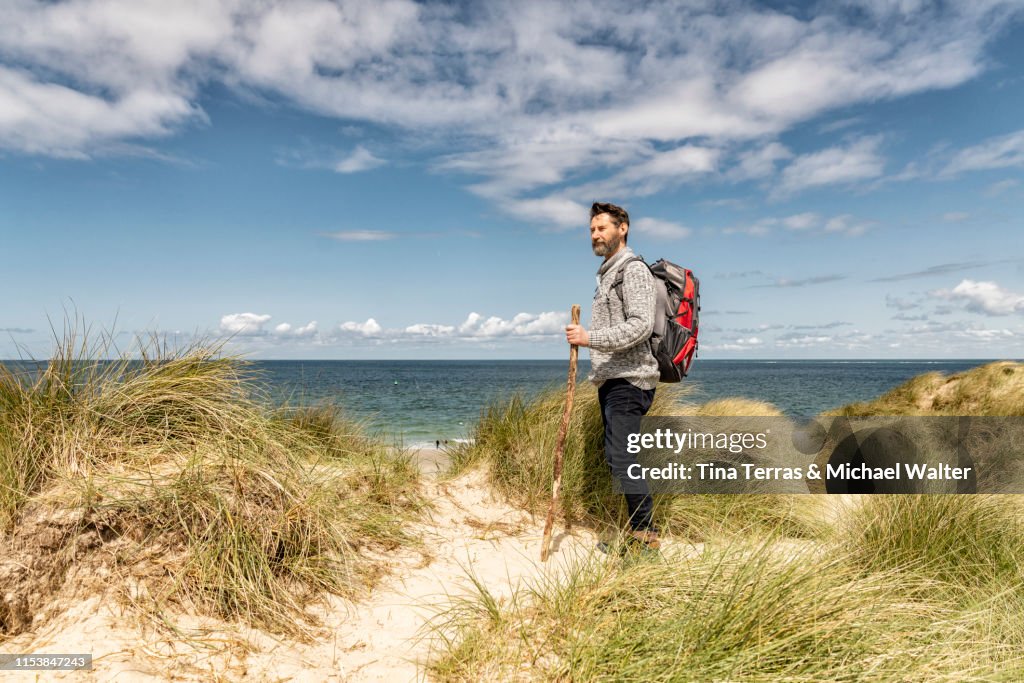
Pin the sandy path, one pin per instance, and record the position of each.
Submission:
(380, 638)
(383, 638)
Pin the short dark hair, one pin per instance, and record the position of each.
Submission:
(616, 213)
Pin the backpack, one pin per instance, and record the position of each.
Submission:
(676, 316)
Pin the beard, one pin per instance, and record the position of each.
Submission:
(603, 248)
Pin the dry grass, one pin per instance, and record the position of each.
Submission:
(962, 540)
(968, 546)
(730, 407)
(738, 613)
(514, 440)
(901, 587)
(246, 510)
(992, 389)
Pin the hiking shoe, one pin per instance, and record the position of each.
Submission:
(648, 539)
(636, 544)
(642, 545)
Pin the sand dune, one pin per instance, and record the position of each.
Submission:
(382, 637)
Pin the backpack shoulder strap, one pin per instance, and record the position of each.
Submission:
(620, 274)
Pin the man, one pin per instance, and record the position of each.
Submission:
(622, 365)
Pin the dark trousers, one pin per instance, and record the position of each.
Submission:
(622, 406)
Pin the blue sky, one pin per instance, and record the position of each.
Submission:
(412, 180)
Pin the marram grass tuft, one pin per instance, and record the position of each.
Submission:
(740, 612)
(245, 509)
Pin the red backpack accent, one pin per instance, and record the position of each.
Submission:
(676, 316)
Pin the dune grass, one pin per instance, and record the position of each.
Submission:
(969, 546)
(899, 587)
(972, 541)
(922, 588)
(738, 612)
(514, 440)
(991, 394)
(992, 389)
(251, 510)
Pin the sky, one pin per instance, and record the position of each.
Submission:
(393, 179)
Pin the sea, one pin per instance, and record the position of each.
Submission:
(417, 403)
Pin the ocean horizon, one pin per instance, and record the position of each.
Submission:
(419, 402)
(416, 403)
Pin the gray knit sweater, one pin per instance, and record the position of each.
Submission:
(620, 327)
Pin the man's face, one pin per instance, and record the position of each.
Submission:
(605, 236)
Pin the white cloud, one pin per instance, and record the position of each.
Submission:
(761, 328)
(944, 163)
(999, 187)
(660, 229)
(936, 335)
(542, 158)
(802, 221)
(984, 297)
(808, 223)
(804, 340)
(855, 339)
(987, 334)
(656, 172)
(840, 124)
(679, 161)
(554, 212)
(803, 282)
(361, 235)
(361, 159)
(759, 162)
(835, 165)
(847, 225)
(999, 152)
(955, 216)
(739, 344)
(472, 322)
(430, 330)
(522, 324)
(286, 330)
(757, 229)
(900, 304)
(56, 120)
(935, 327)
(504, 81)
(370, 328)
(474, 327)
(727, 203)
(243, 323)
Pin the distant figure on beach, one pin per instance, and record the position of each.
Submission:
(437, 444)
(622, 365)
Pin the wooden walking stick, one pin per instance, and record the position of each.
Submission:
(560, 441)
